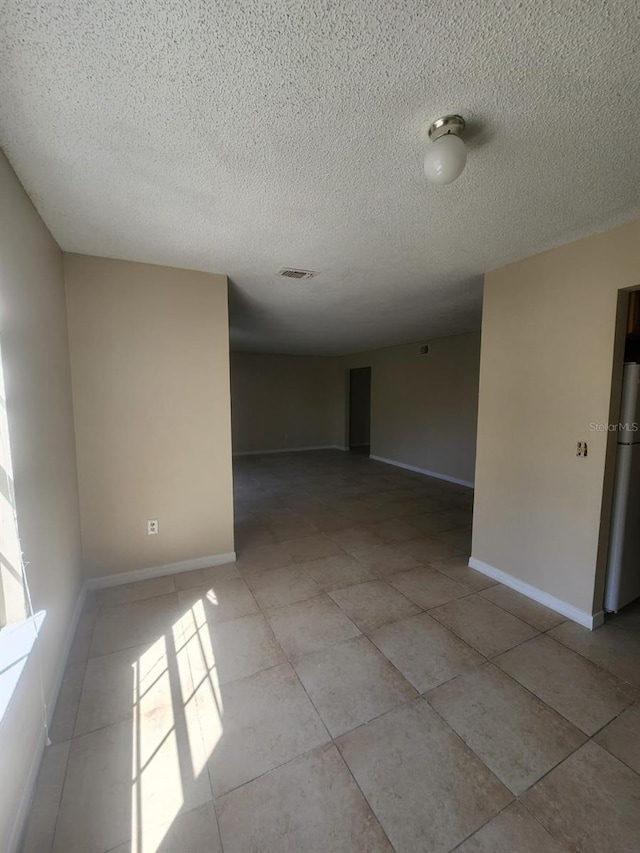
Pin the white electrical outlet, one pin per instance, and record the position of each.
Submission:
(152, 526)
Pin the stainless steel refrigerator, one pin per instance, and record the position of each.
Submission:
(623, 571)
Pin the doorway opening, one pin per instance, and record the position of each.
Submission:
(622, 580)
(360, 410)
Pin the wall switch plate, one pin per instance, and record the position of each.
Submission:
(152, 526)
(582, 448)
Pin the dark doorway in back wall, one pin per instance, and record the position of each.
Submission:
(360, 410)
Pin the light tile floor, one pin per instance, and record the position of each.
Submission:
(348, 685)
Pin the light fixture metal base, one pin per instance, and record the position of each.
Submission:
(446, 124)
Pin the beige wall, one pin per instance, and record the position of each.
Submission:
(282, 401)
(36, 368)
(548, 333)
(150, 370)
(424, 408)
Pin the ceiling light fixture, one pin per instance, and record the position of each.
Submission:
(446, 156)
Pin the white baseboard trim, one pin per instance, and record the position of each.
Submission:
(105, 581)
(28, 791)
(587, 620)
(65, 651)
(24, 806)
(423, 471)
(289, 450)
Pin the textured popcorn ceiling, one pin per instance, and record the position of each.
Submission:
(244, 136)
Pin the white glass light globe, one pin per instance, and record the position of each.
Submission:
(445, 159)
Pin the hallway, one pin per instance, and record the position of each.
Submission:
(348, 686)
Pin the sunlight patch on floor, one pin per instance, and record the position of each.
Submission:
(174, 687)
(206, 690)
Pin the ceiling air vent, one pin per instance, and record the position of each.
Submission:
(288, 272)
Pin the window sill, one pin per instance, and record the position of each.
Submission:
(16, 644)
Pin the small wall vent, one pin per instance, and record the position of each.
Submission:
(289, 272)
(423, 349)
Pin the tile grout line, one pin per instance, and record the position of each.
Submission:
(364, 796)
(486, 822)
(575, 725)
(424, 695)
(514, 797)
(632, 684)
(292, 661)
(332, 740)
